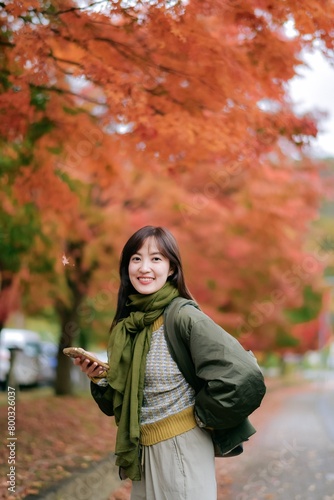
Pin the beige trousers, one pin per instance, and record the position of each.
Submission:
(180, 468)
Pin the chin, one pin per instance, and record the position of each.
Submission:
(146, 291)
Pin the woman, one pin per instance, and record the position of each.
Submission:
(162, 443)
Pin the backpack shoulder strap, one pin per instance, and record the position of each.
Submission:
(177, 343)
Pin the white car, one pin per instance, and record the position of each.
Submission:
(4, 364)
(27, 351)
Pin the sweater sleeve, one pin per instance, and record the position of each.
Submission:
(103, 396)
(233, 384)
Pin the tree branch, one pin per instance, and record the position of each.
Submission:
(7, 44)
(65, 91)
(66, 61)
(73, 9)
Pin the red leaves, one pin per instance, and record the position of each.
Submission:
(63, 435)
(146, 132)
(176, 118)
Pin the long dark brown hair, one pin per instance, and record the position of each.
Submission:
(168, 247)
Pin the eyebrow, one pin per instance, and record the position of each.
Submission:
(152, 253)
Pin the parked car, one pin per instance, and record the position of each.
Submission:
(4, 365)
(48, 362)
(30, 361)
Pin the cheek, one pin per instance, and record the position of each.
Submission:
(167, 272)
(131, 267)
(131, 271)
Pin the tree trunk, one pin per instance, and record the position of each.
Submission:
(78, 280)
(63, 384)
(70, 330)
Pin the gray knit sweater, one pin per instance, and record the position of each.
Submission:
(166, 392)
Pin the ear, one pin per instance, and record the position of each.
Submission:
(171, 271)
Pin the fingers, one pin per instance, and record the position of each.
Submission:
(94, 369)
(89, 368)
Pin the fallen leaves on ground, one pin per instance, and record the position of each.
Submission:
(55, 437)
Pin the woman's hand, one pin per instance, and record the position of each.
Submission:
(92, 370)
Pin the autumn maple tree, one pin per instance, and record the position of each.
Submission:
(118, 114)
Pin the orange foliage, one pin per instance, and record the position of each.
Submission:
(176, 117)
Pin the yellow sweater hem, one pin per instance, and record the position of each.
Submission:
(168, 427)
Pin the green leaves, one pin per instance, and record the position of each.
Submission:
(39, 99)
(38, 129)
(18, 233)
(310, 308)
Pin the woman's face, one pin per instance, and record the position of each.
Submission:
(148, 268)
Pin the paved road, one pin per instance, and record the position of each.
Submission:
(96, 483)
(292, 455)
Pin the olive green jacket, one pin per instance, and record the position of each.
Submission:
(228, 382)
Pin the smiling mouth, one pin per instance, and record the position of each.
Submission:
(145, 280)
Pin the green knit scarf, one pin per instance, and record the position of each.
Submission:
(127, 349)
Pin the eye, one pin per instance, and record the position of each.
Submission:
(156, 259)
(135, 258)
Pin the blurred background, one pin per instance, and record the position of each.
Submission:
(200, 116)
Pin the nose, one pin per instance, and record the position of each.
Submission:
(144, 266)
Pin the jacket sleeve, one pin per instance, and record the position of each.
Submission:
(103, 396)
(233, 384)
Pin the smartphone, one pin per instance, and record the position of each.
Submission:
(78, 352)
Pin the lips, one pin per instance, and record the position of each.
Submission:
(145, 281)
